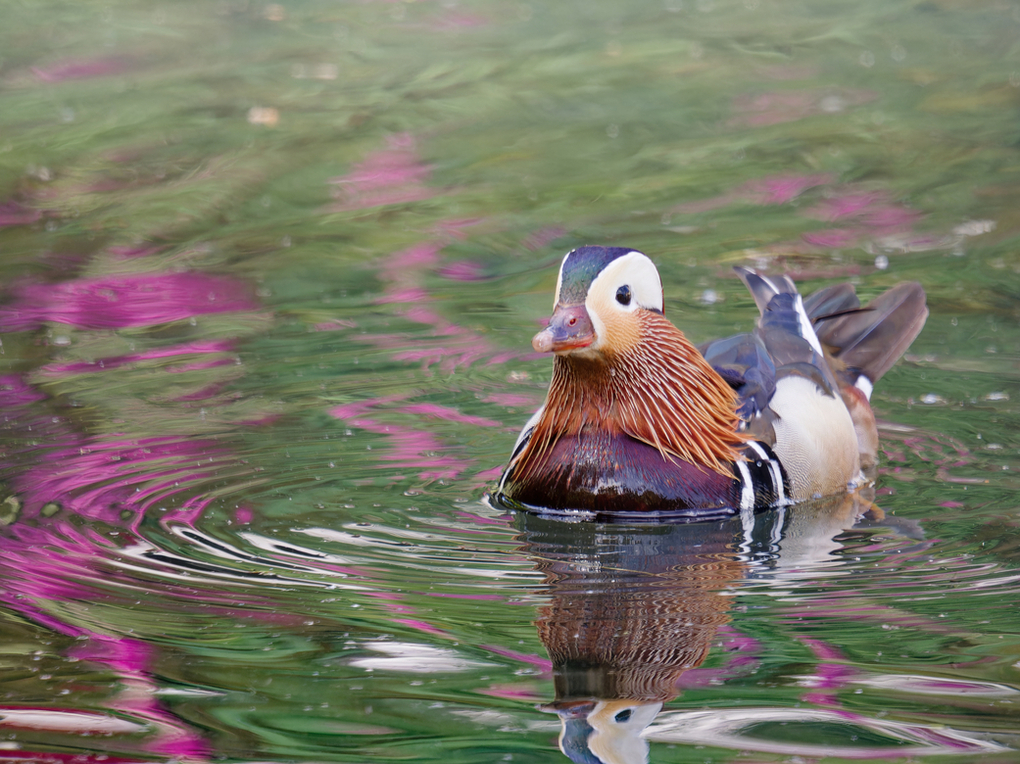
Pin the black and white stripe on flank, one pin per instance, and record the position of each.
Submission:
(522, 441)
(763, 482)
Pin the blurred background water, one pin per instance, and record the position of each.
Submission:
(268, 275)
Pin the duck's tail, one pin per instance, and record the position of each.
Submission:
(829, 336)
(865, 342)
(862, 344)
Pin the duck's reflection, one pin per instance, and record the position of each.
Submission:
(633, 608)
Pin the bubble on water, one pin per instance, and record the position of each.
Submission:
(867, 59)
(881, 262)
(832, 104)
(263, 115)
(932, 398)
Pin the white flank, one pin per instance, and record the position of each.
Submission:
(815, 438)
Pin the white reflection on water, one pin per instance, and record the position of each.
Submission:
(415, 659)
(932, 685)
(74, 722)
(733, 728)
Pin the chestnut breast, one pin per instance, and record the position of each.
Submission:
(600, 470)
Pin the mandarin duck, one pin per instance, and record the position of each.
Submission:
(638, 420)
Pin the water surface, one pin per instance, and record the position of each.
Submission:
(268, 276)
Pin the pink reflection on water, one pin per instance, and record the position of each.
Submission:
(845, 205)
(423, 626)
(828, 676)
(101, 478)
(780, 189)
(742, 659)
(875, 216)
(12, 213)
(125, 301)
(770, 190)
(943, 451)
(530, 659)
(774, 108)
(406, 447)
(514, 400)
(450, 415)
(452, 21)
(394, 175)
(201, 347)
(75, 490)
(454, 228)
(449, 345)
(80, 68)
(334, 324)
(479, 597)
(463, 270)
(835, 238)
(132, 660)
(135, 251)
(543, 237)
(513, 692)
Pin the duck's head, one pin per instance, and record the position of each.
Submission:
(600, 296)
(605, 731)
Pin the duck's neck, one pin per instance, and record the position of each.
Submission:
(661, 392)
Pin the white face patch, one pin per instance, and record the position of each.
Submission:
(632, 275)
(633, 270)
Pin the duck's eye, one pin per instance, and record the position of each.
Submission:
(623, 295)
(623, 716)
